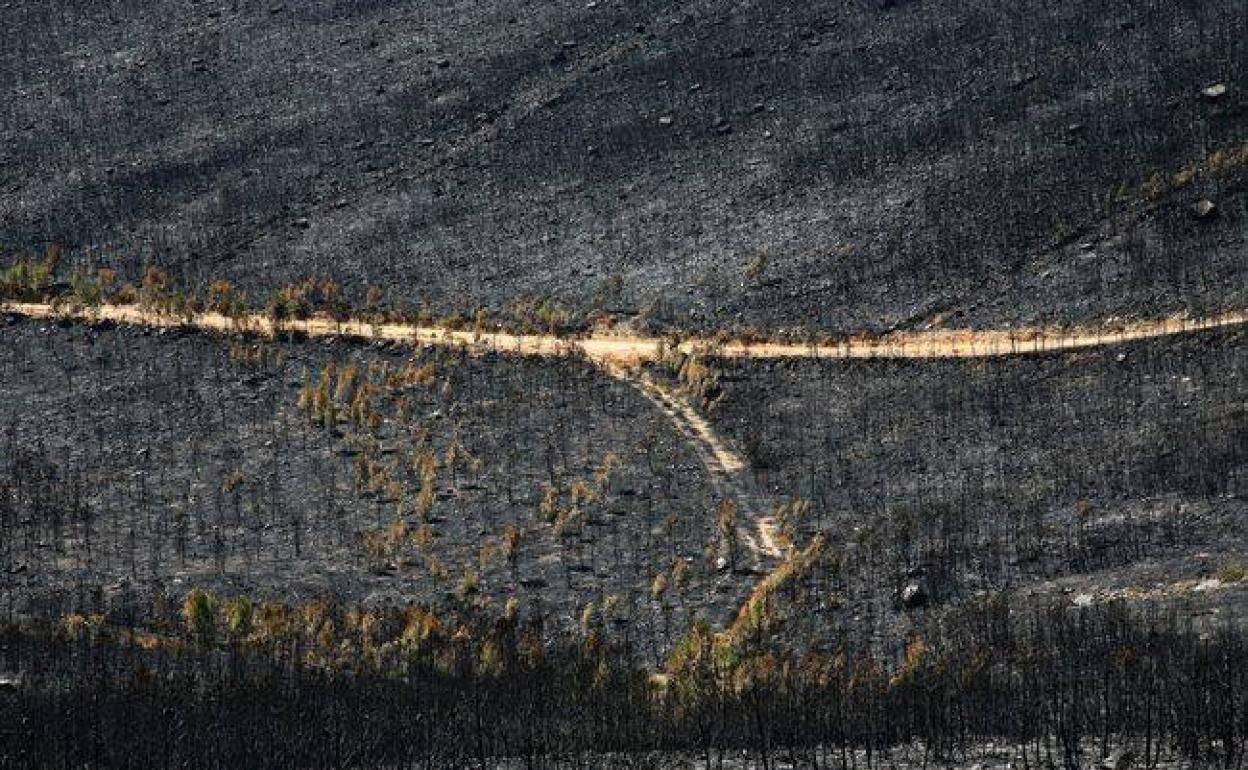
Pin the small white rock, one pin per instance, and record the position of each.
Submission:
(1215, 91)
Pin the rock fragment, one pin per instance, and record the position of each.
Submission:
(1204, 209)
(913, 595)
(1214, 92)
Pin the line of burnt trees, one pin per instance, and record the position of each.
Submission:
(1059, 688)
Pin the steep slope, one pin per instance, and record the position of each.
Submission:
(830, 164)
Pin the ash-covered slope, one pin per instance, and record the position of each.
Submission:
(834, 164)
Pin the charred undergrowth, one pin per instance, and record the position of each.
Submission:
(1061, 688)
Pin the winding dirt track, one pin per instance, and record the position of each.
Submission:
(621, 356)
(725, 468)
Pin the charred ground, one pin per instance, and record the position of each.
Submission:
(225, 550)
(836, 165)
(139, 464)
(1106, 474)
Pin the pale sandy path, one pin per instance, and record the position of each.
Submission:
(725, 468)
(625, 349)
(967, 343)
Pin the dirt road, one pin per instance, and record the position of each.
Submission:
(627, 349)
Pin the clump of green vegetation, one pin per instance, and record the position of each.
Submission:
(286, 305)
(545, 315)
(469, 584)
(86, 287)
(225, 300)
(1233, 572)
(199, 612)
(29, 279)
(239, 617)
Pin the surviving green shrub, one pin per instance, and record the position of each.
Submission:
(30, 280)
(199, 613)
(239, 616)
